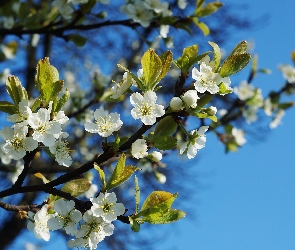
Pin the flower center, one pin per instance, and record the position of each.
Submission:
(146, 109)
(105, 123)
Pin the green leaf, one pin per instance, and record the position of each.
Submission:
(204, 99)
(15, 89)
(205, 115)
(62, 101)
(164, 217)
(158, 197)
(47, 81)
(165, 127)
(188, 58)
(152, 68)
(36, 104)
(217, 55)
(8, 107)
(22, 12)
(234, 64)
(165, 142)
(101, 175)
(223, 89)
(285, 105)
(240, 48)
(77, 39)
(135, 226)
(120, 173)
(202, 26)
(76, 187)
(166, 59)
(137, 195)
(209, 9)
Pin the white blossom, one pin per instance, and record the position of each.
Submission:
(244, 91)
(16, 141)
(155, 156)
(139, 149)
(64, 8)
(176, 103)
(156, 5)
(288, 72)
(23, 114)
(7, 22)
(195, 142)
(145, 107)
(238, 134)
(61, 151)
(278, 119)
(45, 131)
(138, 13)
(66, 216)
(207, 80)
(92, 232)
(120, 88)
(190, 98)
(268, 106)
(164, 30)
(182, 4)
(106, 206)
(105, 123)
(77, 1)
(39, 226)
(250, 114)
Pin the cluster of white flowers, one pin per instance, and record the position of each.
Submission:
(207, 79)
(88, 229)
(44, 130)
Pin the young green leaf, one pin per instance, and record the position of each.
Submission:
(15, 89)
(209, 9)
(77, 39)
(202, 26)
(164, 217)
(137, 195)
(135, 226)
(166, 59)
(120, 173)
(165, 127)
(101, 176)
(217, 55)
(8, 107)
(152, 68)
(42, 177)
(234, 64)
(62, 101)
(76, 187)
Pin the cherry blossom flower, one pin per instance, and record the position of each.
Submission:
(145, 107)
(61, 151)
(244, 91)
(176, 103)
(120, 88)
(17, 142)
(139, 149)
(23, 115)
(238, 134)
(66, 216)
(278, 119)
(105, 206)
(190, 98)
(45, 131)
(39, 224)
(206, 79)
(92, 232)
(155, 156)
(138, 12)
(196, 141)
(288, 72)
(105, 123)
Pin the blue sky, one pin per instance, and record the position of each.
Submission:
(247, 199)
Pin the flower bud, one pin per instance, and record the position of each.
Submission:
(176, 103)
(211, 110)
(155, 156)
(190, 98)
